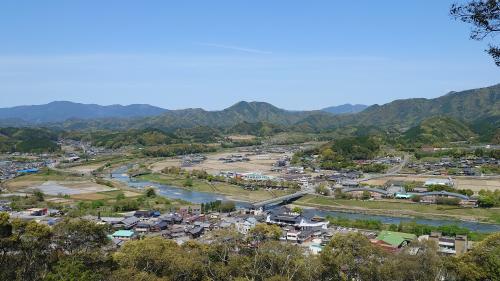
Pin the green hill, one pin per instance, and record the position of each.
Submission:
(469, 106)
(257, 129)
(250, 112)
(438, 130)
(488, 129)
(27, 140)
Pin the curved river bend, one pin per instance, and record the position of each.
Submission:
(204, 197)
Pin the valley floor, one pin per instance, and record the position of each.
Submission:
(232, 191)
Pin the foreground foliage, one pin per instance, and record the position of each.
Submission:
(79, 250)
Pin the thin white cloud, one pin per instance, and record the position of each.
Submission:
(236, 48)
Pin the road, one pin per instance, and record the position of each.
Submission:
(391, 171)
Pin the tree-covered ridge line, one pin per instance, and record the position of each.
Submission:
(435, 131)
(471, 115)
(468, 106)
(76, 249)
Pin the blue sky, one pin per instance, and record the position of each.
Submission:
(211, 54)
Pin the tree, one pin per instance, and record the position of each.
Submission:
(420, 261)
(484, 15)
(297, 210)
(277, 261)
(327, 154)
(486, 201)
(32, 253)
(366, 195)
(416, 198)
(227, 206)
(39, 195)
(351, 257)
(188, 182)
(78, 235)
(120, 196)
(479, 152)
(158, 257)
(72, 270)
(322, 189)
(130, 274)
(263, 231)
(5, 226)
(150, 192)
(480, 263)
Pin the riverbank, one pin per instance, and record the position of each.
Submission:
(401, 209)
(232, 192)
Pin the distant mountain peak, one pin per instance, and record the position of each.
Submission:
(253, 105)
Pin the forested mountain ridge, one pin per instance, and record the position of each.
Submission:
(439, 130)
(470, 106)
(250, 112)
(59, 111)
(467, 106)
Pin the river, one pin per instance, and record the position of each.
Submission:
(204, 197)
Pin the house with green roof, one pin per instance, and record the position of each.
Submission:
(123, 234)
(394, 239)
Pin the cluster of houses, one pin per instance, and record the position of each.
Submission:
(251, 176)
(276, 149)
(184, 224)
(83, 146)
(10, 169)
(187, 223)
(234, 158)
(397, 191)
(192, 159)
(387, 160)
(393, 241)
(465, 166)
(70, 158)
(345, 177)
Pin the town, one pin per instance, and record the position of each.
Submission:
(250, 140)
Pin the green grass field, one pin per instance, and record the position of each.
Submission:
(234, 191)
(404, 208)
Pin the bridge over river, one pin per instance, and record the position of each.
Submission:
(281, 199)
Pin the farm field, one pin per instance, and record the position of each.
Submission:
(258, 163)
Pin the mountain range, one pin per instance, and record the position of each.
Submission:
(59, 111)
(478, 106)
